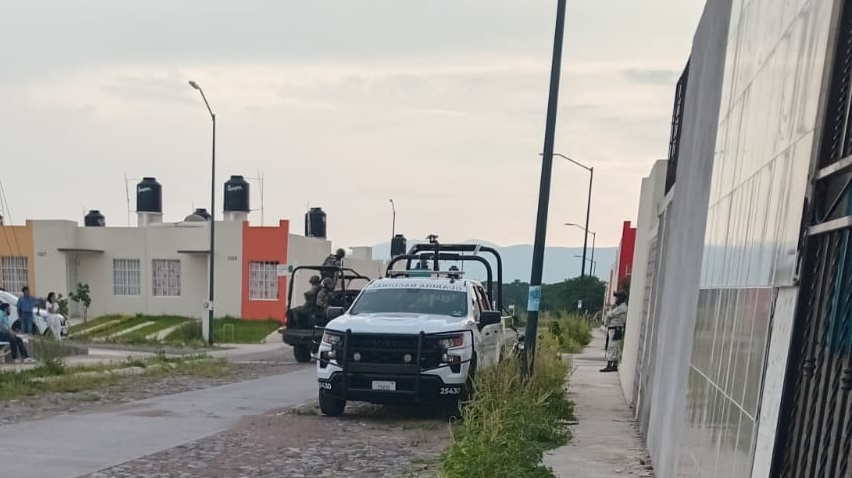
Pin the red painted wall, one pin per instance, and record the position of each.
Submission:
(625, 262)
(264, 244)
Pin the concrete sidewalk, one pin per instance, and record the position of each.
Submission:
(606, 442)
(77, 444)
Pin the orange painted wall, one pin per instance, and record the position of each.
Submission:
(18, 241)
(267, 244)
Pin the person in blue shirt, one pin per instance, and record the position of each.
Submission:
(26, 304)
(7, 335)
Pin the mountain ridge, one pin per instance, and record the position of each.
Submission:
(560, 262)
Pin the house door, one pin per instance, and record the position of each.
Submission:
(73, 266)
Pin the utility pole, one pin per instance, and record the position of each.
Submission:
(534, 298)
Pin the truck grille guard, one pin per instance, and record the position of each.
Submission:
(412, 371)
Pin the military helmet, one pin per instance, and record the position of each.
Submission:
(620, 294)
(340, 253)
(326, 283)
(315, 280)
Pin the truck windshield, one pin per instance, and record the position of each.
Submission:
(412, 301)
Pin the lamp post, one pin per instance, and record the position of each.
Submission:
(209, 327)
(588, 206)
(593, 266)
(393, 222)
(594, 236)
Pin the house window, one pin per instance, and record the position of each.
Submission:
(126, 278)
(14, 273)
(263, 280)
(166, 277)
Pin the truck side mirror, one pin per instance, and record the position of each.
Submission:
(334, 312)
(489, 317)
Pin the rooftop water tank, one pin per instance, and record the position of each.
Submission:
(237, 194)
(200, 215)
(149, 196)
(315, 223)
(398, 244)
(94, 219)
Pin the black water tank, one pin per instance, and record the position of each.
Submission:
(398, 244)
(237, 194)
(315, 223)
(149, 196)
(203, 213)
(94, 219)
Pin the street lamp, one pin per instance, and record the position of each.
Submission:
(594, 236)
(209, 327)
(594, 264)
(588, 205)
(393, 223)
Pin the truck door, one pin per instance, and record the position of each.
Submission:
(489, 355)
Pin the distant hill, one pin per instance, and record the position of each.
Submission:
(559, 262)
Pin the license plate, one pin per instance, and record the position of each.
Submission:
(380, 385)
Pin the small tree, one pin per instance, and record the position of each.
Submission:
(63, 305)
(81, 296)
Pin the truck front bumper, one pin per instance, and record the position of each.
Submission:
(387, 389)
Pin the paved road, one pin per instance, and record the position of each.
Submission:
(73, 445)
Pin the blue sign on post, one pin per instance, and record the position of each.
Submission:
(534, 298)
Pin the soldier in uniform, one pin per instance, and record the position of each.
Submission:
(303, 312)
(334, 260)
(323, 297)
(615, 321)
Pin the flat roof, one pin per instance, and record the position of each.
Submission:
(80, 250)
(193, 251)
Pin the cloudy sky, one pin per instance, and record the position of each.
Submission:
(341, 104)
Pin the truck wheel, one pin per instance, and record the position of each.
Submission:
(331, 406)
(302, 353)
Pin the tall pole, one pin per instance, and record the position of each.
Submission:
(393, 221)
(212, 217)
(588, 212)
(594, 236)
(534, 298)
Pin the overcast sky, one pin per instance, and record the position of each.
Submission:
(342, 104)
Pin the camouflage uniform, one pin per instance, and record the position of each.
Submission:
(615, 321)
(334, 260)
(304, 312)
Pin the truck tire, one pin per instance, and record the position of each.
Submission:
(302, 353)
(329, 405)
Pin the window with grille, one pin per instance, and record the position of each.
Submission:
(15, 274)
(166, 277)
(126, 277)
(263, 280)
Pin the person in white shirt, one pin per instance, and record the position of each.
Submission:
(54, 320)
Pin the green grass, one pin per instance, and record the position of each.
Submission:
(189, 333)
(140, 336)
(572, 332)
(510, 424)
(64, 379)
(244, 331)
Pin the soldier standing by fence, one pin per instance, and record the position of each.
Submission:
(614, 321)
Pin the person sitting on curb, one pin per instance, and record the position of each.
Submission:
(7, 335)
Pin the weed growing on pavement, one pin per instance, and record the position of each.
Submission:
(510, 424)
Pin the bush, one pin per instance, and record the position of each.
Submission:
(510, 424)
(572, 332)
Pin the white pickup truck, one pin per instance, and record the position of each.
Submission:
(409, 340)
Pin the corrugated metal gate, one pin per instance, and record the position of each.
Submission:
(815, 423)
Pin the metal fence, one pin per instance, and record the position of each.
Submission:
(815, 424)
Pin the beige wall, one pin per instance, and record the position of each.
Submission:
(146, 244)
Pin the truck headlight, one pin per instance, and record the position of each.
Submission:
(451, 342)
(331, 339)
